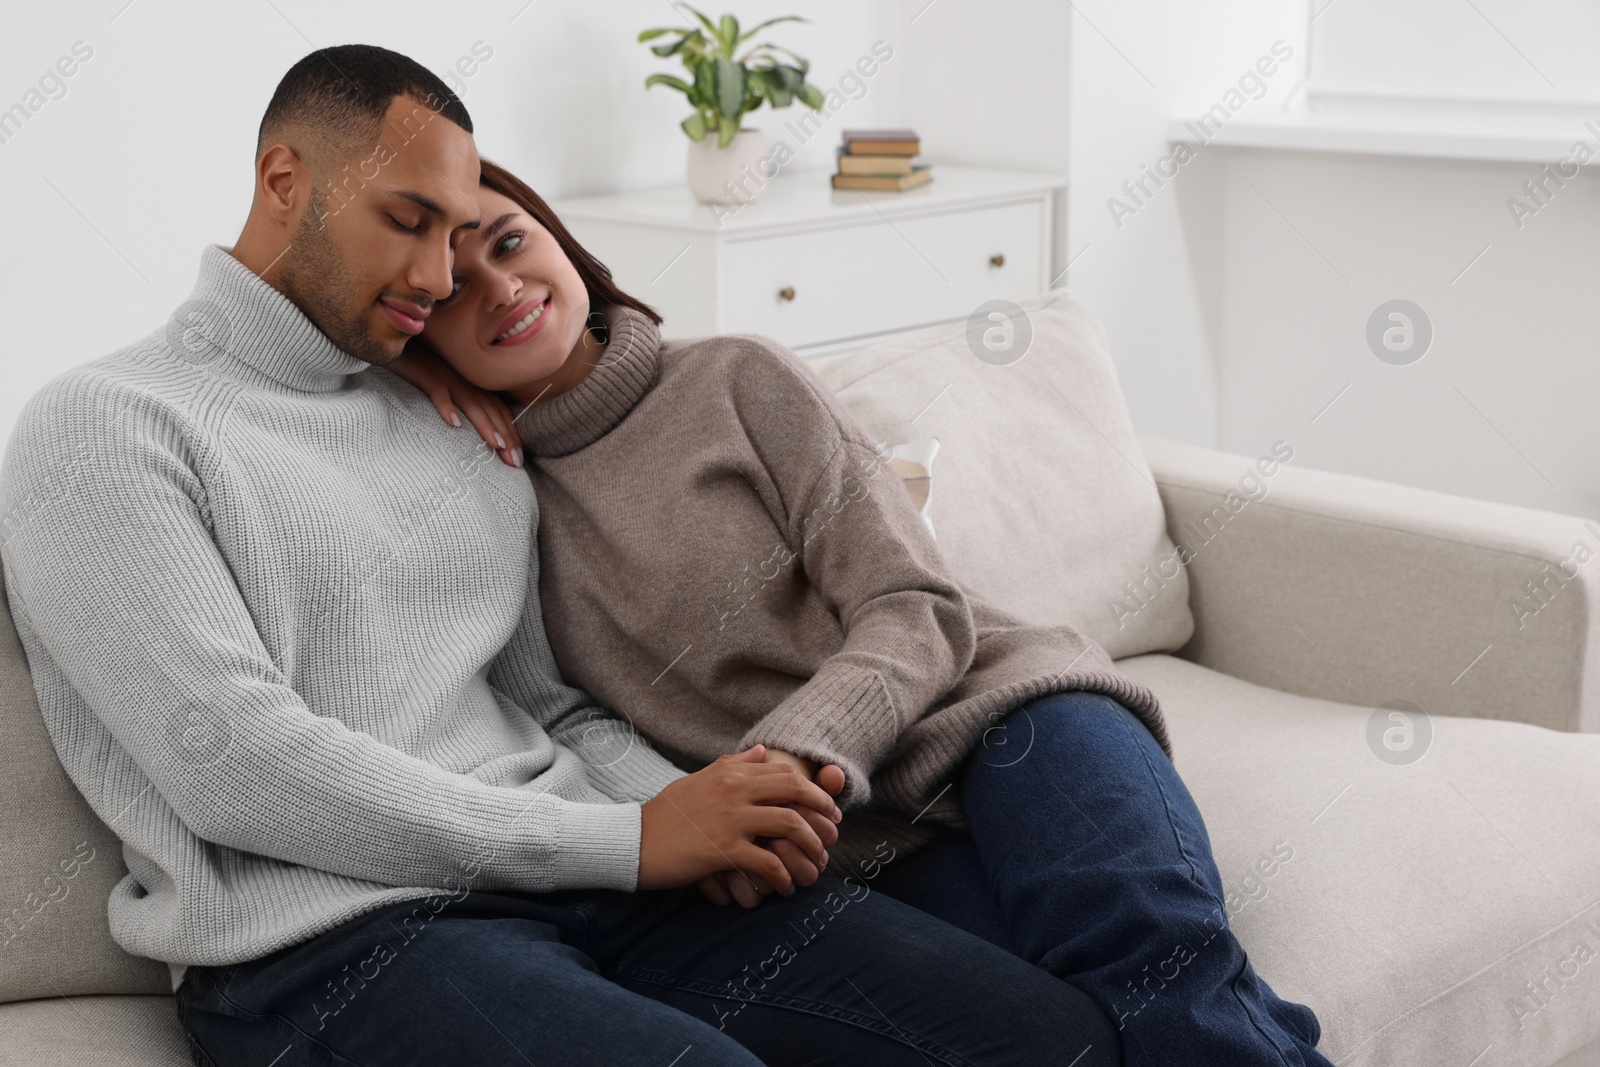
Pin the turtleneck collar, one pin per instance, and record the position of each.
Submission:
(628, 369)
(233, 314)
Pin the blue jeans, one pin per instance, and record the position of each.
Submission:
(835, 974)
(1088, 857)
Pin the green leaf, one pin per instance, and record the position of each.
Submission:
(664, 50)
(811, 96)
(710, 26)
(728, 34)
(705, 93)
(728, 80)
(801, 63)
(770, 22)
(695, 126)
(650, 35)
(727, 130)
(668, 80)
(779, 93)
(772, 87)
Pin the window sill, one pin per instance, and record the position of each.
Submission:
(1397, 126)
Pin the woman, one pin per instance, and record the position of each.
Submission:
(727, 559)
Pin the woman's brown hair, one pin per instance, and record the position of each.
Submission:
(595, 274)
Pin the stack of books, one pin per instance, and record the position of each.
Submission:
(880, 159)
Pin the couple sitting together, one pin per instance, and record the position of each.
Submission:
(423, 751)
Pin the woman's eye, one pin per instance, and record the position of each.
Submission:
(455, 287)
(502, 248)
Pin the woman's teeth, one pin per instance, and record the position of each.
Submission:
(527, 320)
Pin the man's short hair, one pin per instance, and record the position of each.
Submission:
(339, 96)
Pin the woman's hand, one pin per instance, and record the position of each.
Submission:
(727, 887)
(452, 394)
(711, 821)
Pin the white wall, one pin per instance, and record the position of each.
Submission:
(112, 189)
(1506, 50)
(1501, 406)
(1154, 277)
(987, 85)
(1237, 297)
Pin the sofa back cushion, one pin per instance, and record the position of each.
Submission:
(1043, 502)
(58, 861)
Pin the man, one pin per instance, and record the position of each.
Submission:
(285, 631)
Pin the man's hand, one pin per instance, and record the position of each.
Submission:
(748, 890)
(711, 821)
(452, 394)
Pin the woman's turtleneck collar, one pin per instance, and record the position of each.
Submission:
(233, 314)
(628, 368)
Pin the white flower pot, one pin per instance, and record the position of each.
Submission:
(713, 170)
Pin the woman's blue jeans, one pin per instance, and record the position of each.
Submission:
(1088, 857)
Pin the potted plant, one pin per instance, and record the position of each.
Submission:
(722, 87)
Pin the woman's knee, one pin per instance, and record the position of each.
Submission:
(1058, 734)
(1075, 1030)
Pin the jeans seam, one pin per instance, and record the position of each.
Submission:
(274, 1016)
(1244, 1006)
(1166, 807)
(805, 1006)
(1194, 874)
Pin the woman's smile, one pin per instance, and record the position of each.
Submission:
(523, 323)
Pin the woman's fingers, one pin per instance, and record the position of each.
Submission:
(826, 829)
(481, 410)
(799, 866)
(831, 779)
(778, 783)
(440, 395)
(760, 864)
(478, 411)
(507, 424)
(714, 889)
(746, 888)
(787, 823)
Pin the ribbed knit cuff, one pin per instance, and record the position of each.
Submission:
(598, 848)
(843, 715)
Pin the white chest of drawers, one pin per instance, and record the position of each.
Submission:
(826, 270)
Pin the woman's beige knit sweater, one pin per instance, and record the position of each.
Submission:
(726, 559)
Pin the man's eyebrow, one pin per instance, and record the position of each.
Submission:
(430, 205)
(494, 227)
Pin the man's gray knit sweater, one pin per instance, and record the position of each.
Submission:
(284, 627)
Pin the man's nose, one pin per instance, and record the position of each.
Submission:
(431, 273)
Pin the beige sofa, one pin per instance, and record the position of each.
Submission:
(1400, 770)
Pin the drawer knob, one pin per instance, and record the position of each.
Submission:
(997, 260)
(786, 293)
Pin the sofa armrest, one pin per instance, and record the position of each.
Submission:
(1361, 591)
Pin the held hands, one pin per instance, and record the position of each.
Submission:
(726, 887)
(724, 816)
(452, 394)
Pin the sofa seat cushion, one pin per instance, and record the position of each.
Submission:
(1434, 895)
(108, 1031)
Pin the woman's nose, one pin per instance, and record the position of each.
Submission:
(510, 289)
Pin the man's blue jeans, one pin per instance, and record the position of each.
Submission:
(1088, 857)
(836, 974)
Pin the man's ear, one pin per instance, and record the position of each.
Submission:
(283, 184)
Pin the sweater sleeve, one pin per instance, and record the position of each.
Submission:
(109, 557)
(909, 633)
